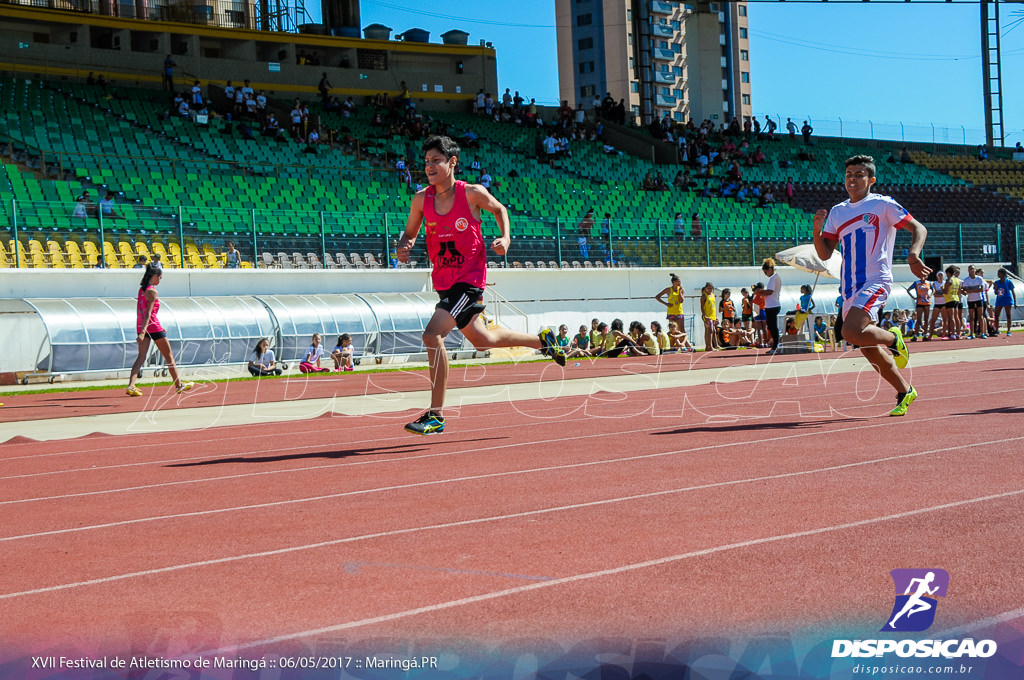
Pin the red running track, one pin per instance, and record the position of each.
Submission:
(738, 508)
(44, 405)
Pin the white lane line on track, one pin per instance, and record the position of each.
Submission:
(886, 422)
(496, 518)
(981, 624)
(183, 439)
(614, 571)
(317, 448)
(389, 403)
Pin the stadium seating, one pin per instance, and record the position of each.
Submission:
(181, 184)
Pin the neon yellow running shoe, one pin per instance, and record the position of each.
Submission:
(133, 391)
(900, 353)
(903, 402)
(185, 387)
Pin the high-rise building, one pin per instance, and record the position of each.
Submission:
(684, 60)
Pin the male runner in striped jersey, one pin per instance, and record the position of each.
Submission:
(865, 226)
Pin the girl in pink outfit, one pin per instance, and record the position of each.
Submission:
(311, 362)
(148, 328)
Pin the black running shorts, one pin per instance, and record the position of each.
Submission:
(462, 301)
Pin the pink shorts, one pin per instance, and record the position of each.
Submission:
(306, 367)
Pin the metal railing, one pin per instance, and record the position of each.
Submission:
(311, 238)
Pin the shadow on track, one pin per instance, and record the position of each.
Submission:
(740, 426)
(326, 455)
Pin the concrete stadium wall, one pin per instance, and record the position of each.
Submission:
(535, 298)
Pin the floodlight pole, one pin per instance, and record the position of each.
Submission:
(991, 75)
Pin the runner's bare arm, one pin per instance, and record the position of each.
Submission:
(823, 245)
(918, 234)
(481, 199)
(412, 227)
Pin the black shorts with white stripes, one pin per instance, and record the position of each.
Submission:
(462, 301)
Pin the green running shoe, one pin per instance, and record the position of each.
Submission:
(903, 402)
(899, 350)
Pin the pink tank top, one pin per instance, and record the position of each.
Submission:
(454, 242)
(151, 325)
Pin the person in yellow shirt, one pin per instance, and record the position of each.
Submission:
(953, 315)
(709, 314)
(672, 298)
(646, 340)
(660, 337)
(596, 337)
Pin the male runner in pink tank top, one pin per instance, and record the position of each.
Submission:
(451, 212)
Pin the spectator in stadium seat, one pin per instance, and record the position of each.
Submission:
(679, 227)
(324, 88)
(551, 148)
(232, 258)
(583, 230)
(197, 95)
(271, 127)
(806, 131)
(107, 207)
(296, 116)
(157, 262)
(261, 105)
(229, 96)
(251, 109)
(83, 208)
(696, 229)
(140, 262)
(168, 78)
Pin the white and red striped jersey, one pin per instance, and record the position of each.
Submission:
(866, 233)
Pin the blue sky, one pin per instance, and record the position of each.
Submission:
(872, 65)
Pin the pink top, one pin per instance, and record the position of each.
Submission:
(153, 325)
(454, 242)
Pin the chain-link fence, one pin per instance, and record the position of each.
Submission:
(86, 234)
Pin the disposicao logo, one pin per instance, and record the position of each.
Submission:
(917, 593)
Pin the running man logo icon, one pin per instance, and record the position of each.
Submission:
(916, 601)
